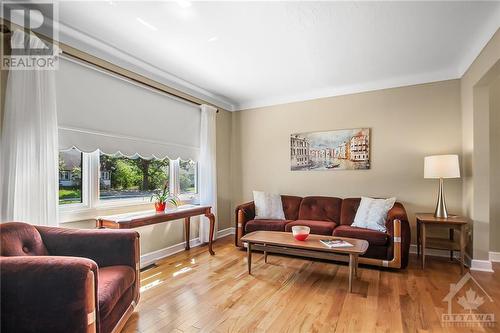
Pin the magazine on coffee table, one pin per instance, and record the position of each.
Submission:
(333, 243)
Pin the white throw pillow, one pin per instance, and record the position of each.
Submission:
(268, 206)
(372, 213)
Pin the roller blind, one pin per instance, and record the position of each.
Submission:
(97, 110)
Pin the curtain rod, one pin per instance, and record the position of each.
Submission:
(5, 29)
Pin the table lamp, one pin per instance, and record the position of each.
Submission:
(440, 167)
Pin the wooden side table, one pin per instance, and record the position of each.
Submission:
(453, 222)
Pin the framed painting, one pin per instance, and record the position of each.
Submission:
(347, 149)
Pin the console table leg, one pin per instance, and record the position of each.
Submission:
(186, 231)
(211, 217)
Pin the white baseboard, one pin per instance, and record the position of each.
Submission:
(152, 257)
(226, 232)
(481, 265)
(494, 256)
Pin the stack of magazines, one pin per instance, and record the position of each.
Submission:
(333, 243)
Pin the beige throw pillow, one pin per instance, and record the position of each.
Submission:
(268, 206)
(372, 213)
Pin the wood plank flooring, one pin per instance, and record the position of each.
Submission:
(195, 292)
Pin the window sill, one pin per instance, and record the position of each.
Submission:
(82, 213)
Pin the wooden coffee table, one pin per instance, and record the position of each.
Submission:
(285, 243)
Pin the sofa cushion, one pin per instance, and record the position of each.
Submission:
(20, 239)
(372, 236)
(268, 225)
(349, 209)
(320, 209)
(317, 227)
(291, 206)
(113, 282)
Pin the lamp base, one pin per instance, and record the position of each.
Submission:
(441, 211)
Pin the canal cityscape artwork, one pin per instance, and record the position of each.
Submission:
(347, 149)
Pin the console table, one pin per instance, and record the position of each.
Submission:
(453, 222)
(149, 217)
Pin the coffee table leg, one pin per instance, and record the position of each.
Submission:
(249, 257)
(356, 266)
(351, 268)
(265, 257)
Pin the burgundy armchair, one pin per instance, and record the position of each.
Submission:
(67, 280)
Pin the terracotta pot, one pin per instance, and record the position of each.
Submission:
(160, 206)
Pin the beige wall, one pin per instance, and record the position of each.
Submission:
(475, 143)
(495, 166)
(406, 124)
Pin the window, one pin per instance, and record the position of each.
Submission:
(130, 178)
(70, 177)
(187, 177)
(94, 182)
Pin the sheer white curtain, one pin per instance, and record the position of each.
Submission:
(207, 167)
(29, 144)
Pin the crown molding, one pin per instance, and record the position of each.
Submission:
(86, 43)
(352, 89)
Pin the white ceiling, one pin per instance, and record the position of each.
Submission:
(246, 54)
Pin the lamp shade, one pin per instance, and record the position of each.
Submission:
(441, 166)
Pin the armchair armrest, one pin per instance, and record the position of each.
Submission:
(105, 247)
(243, 213)
(48, 294)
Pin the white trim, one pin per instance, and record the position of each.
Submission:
(494, 256)
(152, 257)
(226, 232)
(397, 82)
(481, 265)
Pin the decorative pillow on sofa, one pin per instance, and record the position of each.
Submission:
(268, 206)
(372, 213)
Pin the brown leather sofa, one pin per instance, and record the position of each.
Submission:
(67, 280)
(334, 216)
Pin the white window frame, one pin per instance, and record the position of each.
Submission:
(92, 207)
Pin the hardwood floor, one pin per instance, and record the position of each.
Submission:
(193, 291)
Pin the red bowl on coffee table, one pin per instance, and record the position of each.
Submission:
(300, 232)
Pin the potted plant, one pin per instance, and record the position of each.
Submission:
(162, 197)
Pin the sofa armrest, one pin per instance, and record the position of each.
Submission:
(48, 294)
(398, 212)
(106, 247)
(243, 213)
